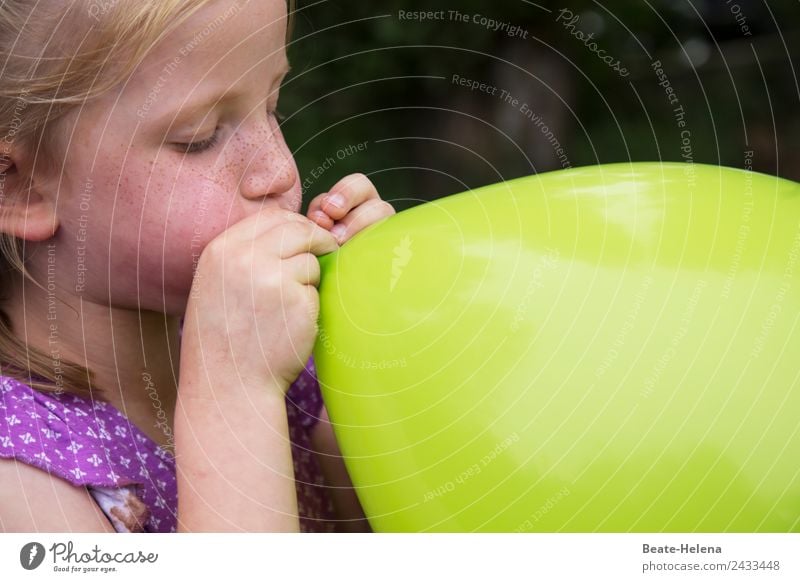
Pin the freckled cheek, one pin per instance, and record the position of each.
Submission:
(198, 212)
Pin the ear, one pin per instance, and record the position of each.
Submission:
(24, 212)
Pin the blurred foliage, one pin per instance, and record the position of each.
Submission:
(364, 74)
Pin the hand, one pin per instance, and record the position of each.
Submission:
(350, 206)
(253, 305)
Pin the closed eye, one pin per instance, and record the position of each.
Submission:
(199, 146)
(196, 147)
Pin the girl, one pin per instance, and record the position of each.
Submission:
(159, 283)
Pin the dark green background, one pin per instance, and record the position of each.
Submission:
(362, 74)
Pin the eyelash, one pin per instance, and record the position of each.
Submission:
(200, 146)
(196, 147)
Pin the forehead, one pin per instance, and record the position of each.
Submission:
(221, 43)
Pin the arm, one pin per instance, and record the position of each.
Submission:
(243, 329)
(345, 501)
(233, 461)
(31, 500)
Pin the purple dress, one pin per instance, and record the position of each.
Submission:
(90, 443)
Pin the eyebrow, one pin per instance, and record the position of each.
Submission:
(204, 105)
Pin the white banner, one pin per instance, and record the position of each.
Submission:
(406, 557)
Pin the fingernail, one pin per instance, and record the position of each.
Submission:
(338, 231)
(336, 200)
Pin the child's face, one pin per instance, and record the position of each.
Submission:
(146, 207)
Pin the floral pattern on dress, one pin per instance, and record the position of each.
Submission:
(91, 443)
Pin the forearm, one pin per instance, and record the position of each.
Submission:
(234, 462)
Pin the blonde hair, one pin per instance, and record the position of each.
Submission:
(54, 59)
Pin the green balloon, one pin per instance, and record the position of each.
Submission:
(601, 349)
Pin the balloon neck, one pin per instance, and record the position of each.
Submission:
(325, 262)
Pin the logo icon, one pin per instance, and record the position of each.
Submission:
(402, 255)
(31, 555)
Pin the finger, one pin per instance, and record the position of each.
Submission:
(348, 193)
(303, 268)
(257, 224)
(317, 215)
(301, 237)
(360, 218)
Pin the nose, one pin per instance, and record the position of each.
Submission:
(271, 170)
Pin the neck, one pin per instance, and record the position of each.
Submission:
(133, 354)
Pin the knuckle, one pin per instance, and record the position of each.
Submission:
(281, 216)
(283, 236)
(299, 230)
(269, 279)
(385, 207)
(312, 269)
(309, 264)
(310, 299)
(357, 181)
(295, 217)
(214, 251)
(295, 227)
(272, 290)
(302, 298)
(240, 263)
(364, 183)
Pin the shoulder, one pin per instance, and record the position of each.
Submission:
(85, 445)
(26, 418)
(32, 500)
(60, 433)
